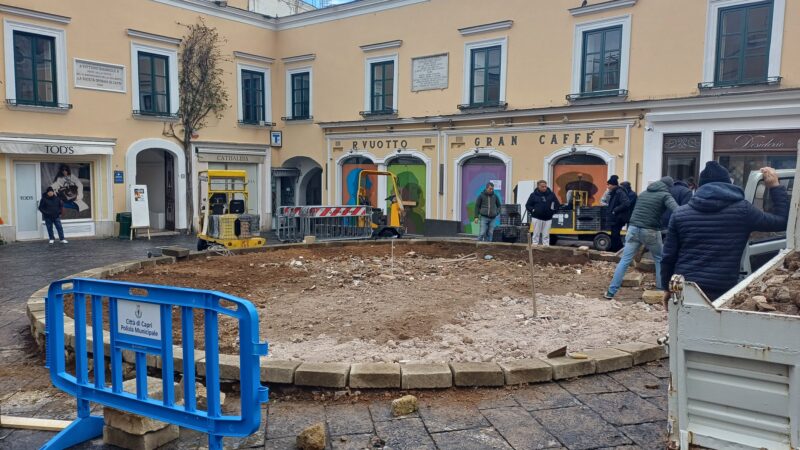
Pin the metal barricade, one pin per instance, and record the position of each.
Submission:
(140, 321)
(325, 223)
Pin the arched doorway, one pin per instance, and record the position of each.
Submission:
(306, 182)
(411, 175)
(311, 187)
(475, 173)
(351, 167)
(155, 168)
(171, 177)
(580, 171)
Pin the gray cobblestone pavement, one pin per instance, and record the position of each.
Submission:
(623, 410)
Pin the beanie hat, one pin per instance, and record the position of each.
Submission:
(614, 180)
(668, 181)
(714, 173)
(49, 189)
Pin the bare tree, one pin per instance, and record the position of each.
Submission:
(202, 93)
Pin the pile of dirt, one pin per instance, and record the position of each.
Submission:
(414, 302)
(777, 291)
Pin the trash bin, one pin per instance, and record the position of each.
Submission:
(124, 220)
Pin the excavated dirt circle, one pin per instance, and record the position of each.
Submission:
(438, 302)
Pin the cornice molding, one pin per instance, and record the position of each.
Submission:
(153, 37)
(485, 28)
(252, 57)
(601, 7)
(31, 14)
(299, 58)
(381, 45)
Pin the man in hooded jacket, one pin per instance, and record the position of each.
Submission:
(682, 194)
(541, 205)
(645, 230)
(706, 237)
(619, 211)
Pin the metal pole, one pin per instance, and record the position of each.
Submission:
(530, 264)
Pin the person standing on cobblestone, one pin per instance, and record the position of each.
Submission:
(50, 206)
(487, 207)
(541, 206)
(619, 211)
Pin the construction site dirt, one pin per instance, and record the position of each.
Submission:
(378, 302)
(778, 291)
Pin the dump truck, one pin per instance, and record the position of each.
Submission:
(734, 373)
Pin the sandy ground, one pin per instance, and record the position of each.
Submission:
(423, 303)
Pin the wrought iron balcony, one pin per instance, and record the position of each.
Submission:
(44, 105)
(483, 106)
(769, 81)
(253, 123)
(296, 118)
(378, 113)
(598, 94)
(156, 114)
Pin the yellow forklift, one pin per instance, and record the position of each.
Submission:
(578, 220)
(391, 224)
(223, 215)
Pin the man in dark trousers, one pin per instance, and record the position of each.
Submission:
(706, 237)
(487, 207)
(645, 230)
(619, 211)
(50, 206)
(541, 205)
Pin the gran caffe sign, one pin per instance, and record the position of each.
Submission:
(757, 141)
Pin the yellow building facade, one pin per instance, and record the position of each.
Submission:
(448, 94)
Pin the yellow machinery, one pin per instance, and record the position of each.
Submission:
(391, 224)
(223, 215)
(578, 220)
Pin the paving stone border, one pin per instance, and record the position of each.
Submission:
(412, 375)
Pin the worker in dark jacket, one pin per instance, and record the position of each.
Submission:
(645, 230)
(50, 206)
(706, 238)
(619, 211)
(541, 205)
(682, 194)
(487, 207)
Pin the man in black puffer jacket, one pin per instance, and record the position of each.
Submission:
(682, 194)
(541, 206)
(619, 211)
(706, 237)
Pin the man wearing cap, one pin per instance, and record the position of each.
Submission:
(645, 230)
(707, 236)
(619, 211)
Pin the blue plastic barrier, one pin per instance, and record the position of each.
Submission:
(135, 313)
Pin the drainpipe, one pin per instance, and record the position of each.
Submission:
(627, 152)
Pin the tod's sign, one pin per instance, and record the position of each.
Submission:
(766, 141)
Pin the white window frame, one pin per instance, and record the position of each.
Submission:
(776, 36)
(468, 48)
(368, 77)
(267, 91)
(60, 41)
(625, 49)
(172, 58)
(289, 73)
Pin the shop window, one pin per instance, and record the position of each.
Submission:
(252, 97)
(602, 51)
(485, 69)
(35, 69)
(743, 44)
(300, 96)
(72, 183)
(740, 165)
(153, 84)
(382, 87)
(681, 156)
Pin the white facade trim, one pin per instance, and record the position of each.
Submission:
(172, 58)
(299, 58)
(254, 58)
(625, 49)
(486, 28)
(381, 46)
(551, 159)
(337, 12)
(776, 39)
(601, 7)
(467, 76)
(368, 79)
(267, 96)
(289, 73)
(153, 37)
(180, 174)
(208, 8)
(31, 14)
(467, 155)
(60, 41)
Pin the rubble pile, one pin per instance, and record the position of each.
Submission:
(778, 291)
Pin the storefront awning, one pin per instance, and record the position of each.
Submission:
(282, 172)
(55, 147)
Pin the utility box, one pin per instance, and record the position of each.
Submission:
(735, 375)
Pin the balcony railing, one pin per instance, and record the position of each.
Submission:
(769, 81)
(156, 114)
(296, 118)
(598, 94)
(483, 106)
(259, 123)
(378, 113)
(26, 103)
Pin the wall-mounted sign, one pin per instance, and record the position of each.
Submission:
(757, 141)
(119, 177)
(429, 72)
(99, 76)
(276, 138)
(230, 158)
(55, 148)
(140, 211)
(139, 319)
(380, 143)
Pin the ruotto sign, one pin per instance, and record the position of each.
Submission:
(380, 143)
(757, 141)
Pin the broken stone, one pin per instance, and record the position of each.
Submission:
(759, 299)
(147, 441)
(559, 352)
(765, 307)
(777, 280)
(312, 438)
(404, 406)
(784, 295)
(653, 297)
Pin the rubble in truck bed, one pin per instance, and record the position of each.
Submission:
(778, 291)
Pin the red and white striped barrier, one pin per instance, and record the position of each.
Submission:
(324, 211)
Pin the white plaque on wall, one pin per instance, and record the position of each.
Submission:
(429, 72)
(99, 76)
